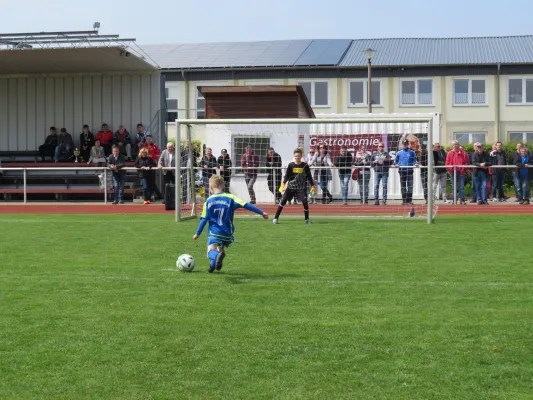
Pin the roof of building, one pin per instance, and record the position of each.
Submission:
(344, 53)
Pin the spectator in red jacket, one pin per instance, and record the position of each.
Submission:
(105, 136)
(249, 164)
(456, 156)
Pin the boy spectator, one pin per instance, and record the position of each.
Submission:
(86, 143)
(224, 164)
(123, 141)
(64, 144)
(405, 160)
(50, 143)
(139, 140)
(458, 157)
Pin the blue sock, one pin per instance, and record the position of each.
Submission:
(212, 254)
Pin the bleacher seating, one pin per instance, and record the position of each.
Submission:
(59, 185)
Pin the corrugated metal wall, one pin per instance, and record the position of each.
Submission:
(30, 105)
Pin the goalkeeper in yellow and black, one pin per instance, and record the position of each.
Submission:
(294, 185)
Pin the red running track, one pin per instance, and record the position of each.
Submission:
(329, 209)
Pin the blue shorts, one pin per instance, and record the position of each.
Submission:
(220, 242)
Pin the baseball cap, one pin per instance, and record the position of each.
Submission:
(405, 141)
(223, 151)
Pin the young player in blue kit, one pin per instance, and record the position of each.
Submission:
(218, 211)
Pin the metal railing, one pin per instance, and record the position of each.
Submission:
(104, 170)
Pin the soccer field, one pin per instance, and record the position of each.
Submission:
(93, 307)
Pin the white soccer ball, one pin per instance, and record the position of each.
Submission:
(185, 263)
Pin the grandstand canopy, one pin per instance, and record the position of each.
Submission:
(71, 60)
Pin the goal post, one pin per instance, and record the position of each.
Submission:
(259, 151)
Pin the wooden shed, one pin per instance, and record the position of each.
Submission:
(224, 102)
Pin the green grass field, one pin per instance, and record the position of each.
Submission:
(92, 307)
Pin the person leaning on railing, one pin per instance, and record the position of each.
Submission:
(525, 174)
(482, 160)
(457, 157)
(146, 171)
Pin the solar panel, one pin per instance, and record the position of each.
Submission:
(324, 52)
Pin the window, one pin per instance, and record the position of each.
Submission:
(171, 96)
(316, 92)
(416, 92)
(259, 144)
(470, 137)
(261, 83)
(520, 91)
(200, 101)
(521, 137)
(469, 92)
(358, 92)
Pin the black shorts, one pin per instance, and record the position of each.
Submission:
(298, 194)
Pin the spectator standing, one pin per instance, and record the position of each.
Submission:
(146, 172)
(499, 157)
(322, 161)
(50, 143)
(381, 161)
(364, 160)
(209, 164)
(458, 157)
(524, 175)
(250, 164)
(344, 161)
(86, 143)
(224, 164)
(439, 160)
(64, 143)
(116, 162)
(482, 160)
(423, 160)
(516, 157)
(152, 148)
(405, 160)
(273, 163)
(167, 159)
(186, 164)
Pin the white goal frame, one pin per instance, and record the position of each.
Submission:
(428, 118)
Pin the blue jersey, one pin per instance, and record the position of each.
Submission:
(218, 211)
(406, 157)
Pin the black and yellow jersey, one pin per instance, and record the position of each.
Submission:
(297, 176)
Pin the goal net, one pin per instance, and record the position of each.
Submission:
(373, 167)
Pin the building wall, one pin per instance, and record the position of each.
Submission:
(456, 119)
(29, 105)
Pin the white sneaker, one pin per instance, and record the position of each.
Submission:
(275, 221)
(308, 221)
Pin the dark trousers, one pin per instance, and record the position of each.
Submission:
(406, 185)
(148, 187)
(118, 181)
(47, 150)
(85, 154)
(497, 183)
(274, 181)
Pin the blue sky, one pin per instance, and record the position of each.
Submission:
(166, 21)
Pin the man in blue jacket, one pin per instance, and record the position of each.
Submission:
(405, 160)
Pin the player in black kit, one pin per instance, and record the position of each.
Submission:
(297, 175)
